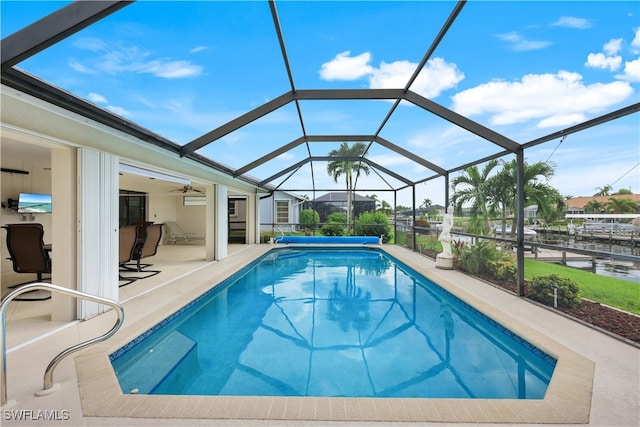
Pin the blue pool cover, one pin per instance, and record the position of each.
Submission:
(332, 240)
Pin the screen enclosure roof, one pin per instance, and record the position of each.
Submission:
(265, 90)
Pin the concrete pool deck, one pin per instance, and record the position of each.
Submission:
(596, 380)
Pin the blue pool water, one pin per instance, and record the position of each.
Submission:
(332, 322)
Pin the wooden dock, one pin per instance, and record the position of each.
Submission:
(618, 238)
(562, 257)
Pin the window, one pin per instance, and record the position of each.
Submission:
(194, 201)
(133, 207)
(232, 208)
(282, 211)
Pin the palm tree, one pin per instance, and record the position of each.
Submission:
(603, 191)
(473, 187)
(536, 190)
(374, 197)
(594, 207)
(340, 167)
(502, 194)
(385, 208)
(619, 205)
(555, 207)
(425, 204)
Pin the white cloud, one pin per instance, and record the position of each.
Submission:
(286, 156)
(572, 22)
(97, 98)
(117, 58)
(169, 69)
(119, 111)
(600, 60)
(80, 68)
(437, 75)
(562, 120)
(631, 71)
(635, 43)
(551, 99)
(518, 43)
(346, 67)
(198, 49)
(612, 46)
(394, 75)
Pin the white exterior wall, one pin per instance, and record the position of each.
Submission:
(85, 186)
(268, 212)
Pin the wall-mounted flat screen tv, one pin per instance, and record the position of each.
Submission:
(34, 203)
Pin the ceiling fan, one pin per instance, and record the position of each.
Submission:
(186, 189)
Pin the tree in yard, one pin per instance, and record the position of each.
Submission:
(374, 197)
(385, 208)
(473, 187)
(347, 166)
(624, 191)
(309, 219)
(620, 206)
(555, 207)
(535, 188)
(373, 224)
(425, 203)
(604, 191)
(594, 207)
(502, 192)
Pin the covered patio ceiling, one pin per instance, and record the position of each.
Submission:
(377, 114)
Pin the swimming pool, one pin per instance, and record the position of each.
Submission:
(331, 322)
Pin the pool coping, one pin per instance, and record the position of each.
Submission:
(567, 401)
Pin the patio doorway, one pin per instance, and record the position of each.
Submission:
(237, 219)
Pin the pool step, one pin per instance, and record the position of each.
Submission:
(152, 367)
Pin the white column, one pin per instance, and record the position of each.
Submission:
(221, 221)
(250, 220)
(97, 228)
(210, 223)
(63, 231)
(256, 206)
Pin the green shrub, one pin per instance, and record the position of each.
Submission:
(422, 222)
(337, 218)
(332, 230)
(309, 219)
(335, 225)
(430, 243)
(475, 259)
(373, 224)
(541, 289)
(503, 269)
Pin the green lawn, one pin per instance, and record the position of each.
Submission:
(622, 294)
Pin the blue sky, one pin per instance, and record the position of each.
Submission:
(522, 69)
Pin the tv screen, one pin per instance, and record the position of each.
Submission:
(34, 203)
